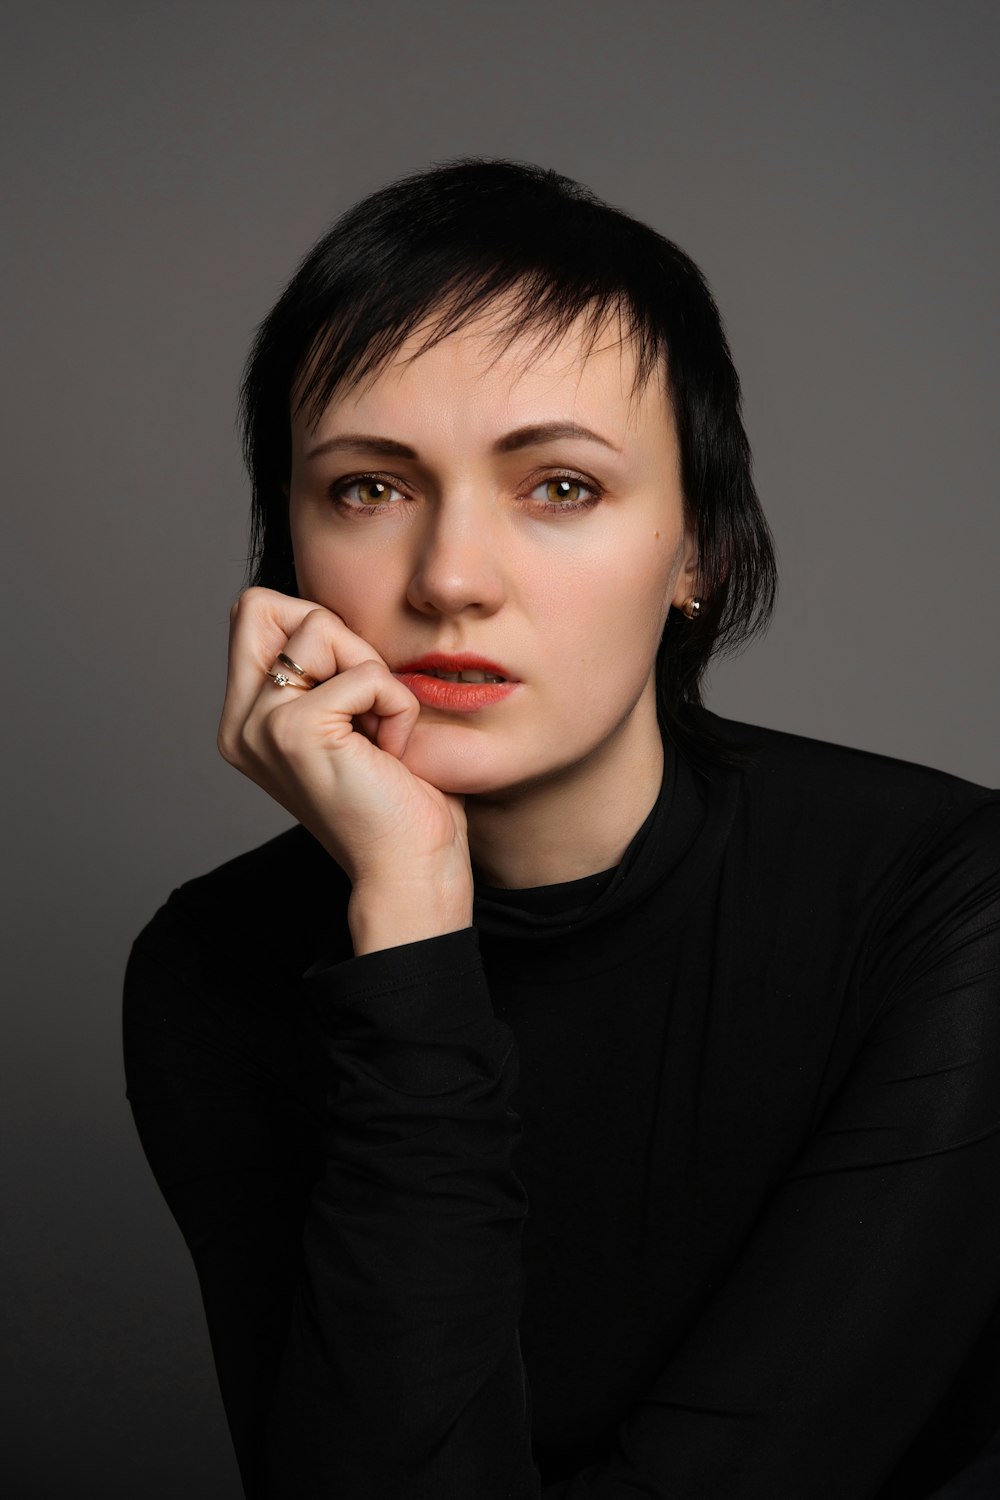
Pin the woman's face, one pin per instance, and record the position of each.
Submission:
(431, 511)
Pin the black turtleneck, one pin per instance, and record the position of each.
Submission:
(649, 857)
(676, 1180)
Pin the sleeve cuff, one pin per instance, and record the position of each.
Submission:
(439, 979)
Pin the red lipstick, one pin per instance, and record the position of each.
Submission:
(455, 697)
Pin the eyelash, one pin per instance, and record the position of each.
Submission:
(337, 491)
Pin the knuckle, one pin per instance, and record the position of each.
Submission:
(318, 616)
(242, 603)
(250, 599)
(281, 735)
(232, 743)
(226, 745)
(377, 671)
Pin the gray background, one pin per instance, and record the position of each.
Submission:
(832, 168)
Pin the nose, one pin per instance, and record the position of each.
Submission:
(458, 564)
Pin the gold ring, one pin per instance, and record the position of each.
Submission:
(281, 679)
(293, 666)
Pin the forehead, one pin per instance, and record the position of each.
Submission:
(482, 375)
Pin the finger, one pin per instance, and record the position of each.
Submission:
(260, 624)
(264, 622)
(323, 645)
(367, 688)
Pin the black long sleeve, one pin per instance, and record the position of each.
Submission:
(780, 1241)
(402, 1372)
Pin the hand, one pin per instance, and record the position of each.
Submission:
(331, 757)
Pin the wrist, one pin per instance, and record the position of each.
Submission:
(388, 913)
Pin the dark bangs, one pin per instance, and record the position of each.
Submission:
(470, 238)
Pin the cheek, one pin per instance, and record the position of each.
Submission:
(332, 576)
(612, 610)
(333, 586)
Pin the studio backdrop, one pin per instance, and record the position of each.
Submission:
(832, 168)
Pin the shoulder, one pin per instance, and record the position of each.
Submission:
(259, 916)
(855, 821)
(794, 773)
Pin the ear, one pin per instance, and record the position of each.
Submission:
(687, 576)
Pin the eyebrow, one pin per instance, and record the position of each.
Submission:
(521, 437)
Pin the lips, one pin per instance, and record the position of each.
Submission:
(465, 661)
(455, 697)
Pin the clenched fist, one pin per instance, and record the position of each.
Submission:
(332, 757)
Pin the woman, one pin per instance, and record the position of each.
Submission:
(589, 1096)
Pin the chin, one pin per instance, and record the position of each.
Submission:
(460, 759)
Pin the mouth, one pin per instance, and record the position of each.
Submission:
(462, 683)
(463, 667)
(468, 674)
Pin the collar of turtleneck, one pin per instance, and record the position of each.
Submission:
(668, 857)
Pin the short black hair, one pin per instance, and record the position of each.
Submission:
(443, 246)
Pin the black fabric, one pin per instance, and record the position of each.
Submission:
(680, 1180)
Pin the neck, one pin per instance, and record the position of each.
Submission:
(574, 822)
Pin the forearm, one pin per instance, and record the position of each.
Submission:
(402, 1373)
